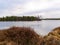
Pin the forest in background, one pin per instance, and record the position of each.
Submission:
(20, 18)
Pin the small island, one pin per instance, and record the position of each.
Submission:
(20, 18)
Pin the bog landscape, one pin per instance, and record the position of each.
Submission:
(26, 35)
(29, 22)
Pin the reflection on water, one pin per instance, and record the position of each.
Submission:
(41, 27)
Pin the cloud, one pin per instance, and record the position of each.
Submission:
(26, 7)
(9, 7)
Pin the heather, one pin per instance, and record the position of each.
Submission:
(27, 36)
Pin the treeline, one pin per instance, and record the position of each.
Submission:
(17, 18)
(51, 19)
(27, 36)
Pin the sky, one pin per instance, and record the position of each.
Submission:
(45, 8)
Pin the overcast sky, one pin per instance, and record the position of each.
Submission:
(46, 8)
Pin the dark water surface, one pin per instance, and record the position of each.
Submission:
(41, 27)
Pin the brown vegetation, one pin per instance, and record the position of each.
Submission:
(53, 38)
(27, 36)
(19, 36)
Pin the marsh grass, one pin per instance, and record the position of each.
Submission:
(19, 36)
(27, 36)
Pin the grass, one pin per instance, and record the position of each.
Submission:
(27, 36)
(19, 36)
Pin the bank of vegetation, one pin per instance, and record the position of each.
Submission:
(27, 36)
(51, 19)
(19, 18)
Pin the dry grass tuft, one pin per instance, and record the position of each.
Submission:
(20, 36)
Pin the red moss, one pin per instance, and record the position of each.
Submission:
(21, 35)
